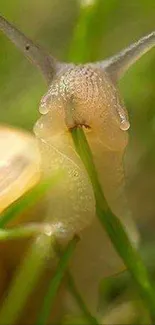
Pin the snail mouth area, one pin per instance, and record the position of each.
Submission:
(80, 125)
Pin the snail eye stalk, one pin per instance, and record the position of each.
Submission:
(38, 56)
(117, 65)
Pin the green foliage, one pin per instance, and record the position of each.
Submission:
(56, 282)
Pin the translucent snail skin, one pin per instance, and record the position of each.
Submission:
(83, 95)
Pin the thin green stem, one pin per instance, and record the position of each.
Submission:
(76, 295)
(86, 45)
(20, 232)
(34, 261)
(34, 258)
(55, 282)
(26, 278)
(113, 226)
(87, 315)
(29, 199)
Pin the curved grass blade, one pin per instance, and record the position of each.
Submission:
(29, 199)
(114, 228)
(26, 278)
(55, 282)
(30, 269)
(87, 39)
(20, 232)
(87, 315)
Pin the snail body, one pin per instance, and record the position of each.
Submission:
(80, 96)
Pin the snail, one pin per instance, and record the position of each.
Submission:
(87, 96)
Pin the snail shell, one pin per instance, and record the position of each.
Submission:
(19, 164)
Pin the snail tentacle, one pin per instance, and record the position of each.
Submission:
(38, 56)
(117, 65)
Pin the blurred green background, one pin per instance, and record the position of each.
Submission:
(115, 24)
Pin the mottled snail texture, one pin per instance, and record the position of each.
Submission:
(78, 95)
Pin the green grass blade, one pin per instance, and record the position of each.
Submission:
(87, 39)
(34, 261)
(28, 200)
(87, 315)
(55, 282)
(20, 232)
(25, 279)
(113, 226)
